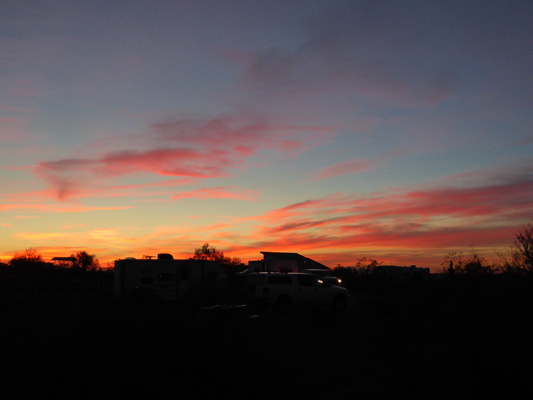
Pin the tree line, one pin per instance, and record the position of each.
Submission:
(517, 260)
(31, 258)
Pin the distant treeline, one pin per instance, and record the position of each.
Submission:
(28, 272)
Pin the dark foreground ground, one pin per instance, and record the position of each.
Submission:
(460, 338)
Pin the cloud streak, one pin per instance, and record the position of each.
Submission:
(217, 193)
(186, 149)
(436, 217)
(407, 225)
(352, 166)
(40, 207)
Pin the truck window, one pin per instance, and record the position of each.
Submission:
(309, 280)
(279, 279)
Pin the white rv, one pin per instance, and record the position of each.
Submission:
(167, 278)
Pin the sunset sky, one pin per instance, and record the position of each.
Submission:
(397, 130)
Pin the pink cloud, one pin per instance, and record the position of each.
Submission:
(240, 133)
(185, 148)
(18, 168)
(171, 162)
(352, 166)
(431, 219)
(402, 226)
(71, 178)
(34, 200)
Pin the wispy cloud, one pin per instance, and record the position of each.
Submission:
(185, 149)
(34, 236)
(343, 49)
(57, 208)
(434, 217)
(352, 166)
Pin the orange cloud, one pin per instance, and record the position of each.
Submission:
(217, 193)
(35, 236)
(41, 207)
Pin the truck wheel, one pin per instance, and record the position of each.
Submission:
(283, 304)
(339, 303)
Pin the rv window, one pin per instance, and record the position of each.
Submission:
(184, 273)
(166, 277)
(212, 276)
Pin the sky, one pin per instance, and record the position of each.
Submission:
(394, 130)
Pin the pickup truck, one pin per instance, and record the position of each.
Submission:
(284, 290)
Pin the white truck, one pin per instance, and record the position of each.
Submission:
(166, 278)
(285, 290)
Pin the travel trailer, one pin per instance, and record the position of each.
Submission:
(166, 278)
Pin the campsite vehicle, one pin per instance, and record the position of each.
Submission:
(325, 274)
(283, 262)
(166, 278)
(283, 290)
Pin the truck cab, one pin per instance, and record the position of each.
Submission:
(285, 290)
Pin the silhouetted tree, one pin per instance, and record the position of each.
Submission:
(519, 256)
(85, 261)
(207, 252)
(476, 265)
(354, 278)
(27, 258)
(366, 263)
(457, 263)
(523, 247)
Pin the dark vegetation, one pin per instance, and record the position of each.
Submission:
(461, 335)
(437, 338)
(230, 265)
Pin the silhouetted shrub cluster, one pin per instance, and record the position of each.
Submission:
(39, 280)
